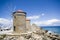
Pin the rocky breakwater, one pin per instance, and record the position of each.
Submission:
(35, 34)
(40, 35)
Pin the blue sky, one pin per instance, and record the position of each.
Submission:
(41, 12)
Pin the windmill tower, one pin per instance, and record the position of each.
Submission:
(28, 25)
(19, 21)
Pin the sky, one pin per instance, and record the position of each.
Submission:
(40, 12)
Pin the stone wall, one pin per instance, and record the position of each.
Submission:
(11, 37)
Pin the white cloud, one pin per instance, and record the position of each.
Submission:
(3, 20)
(42, 14)
(5, 23)
(8, 23)
(33, 17)
(51, 22)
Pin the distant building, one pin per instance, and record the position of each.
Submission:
(28, 25)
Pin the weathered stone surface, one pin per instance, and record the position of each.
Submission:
(29, 36)
(19, 22)
(28, 25)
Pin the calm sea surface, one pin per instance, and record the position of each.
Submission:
(55, 29)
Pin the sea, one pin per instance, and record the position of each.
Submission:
(55, 29)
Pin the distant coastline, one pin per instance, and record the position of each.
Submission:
(55, 29)
(50, 26)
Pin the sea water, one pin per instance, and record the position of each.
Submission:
(55, 29)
